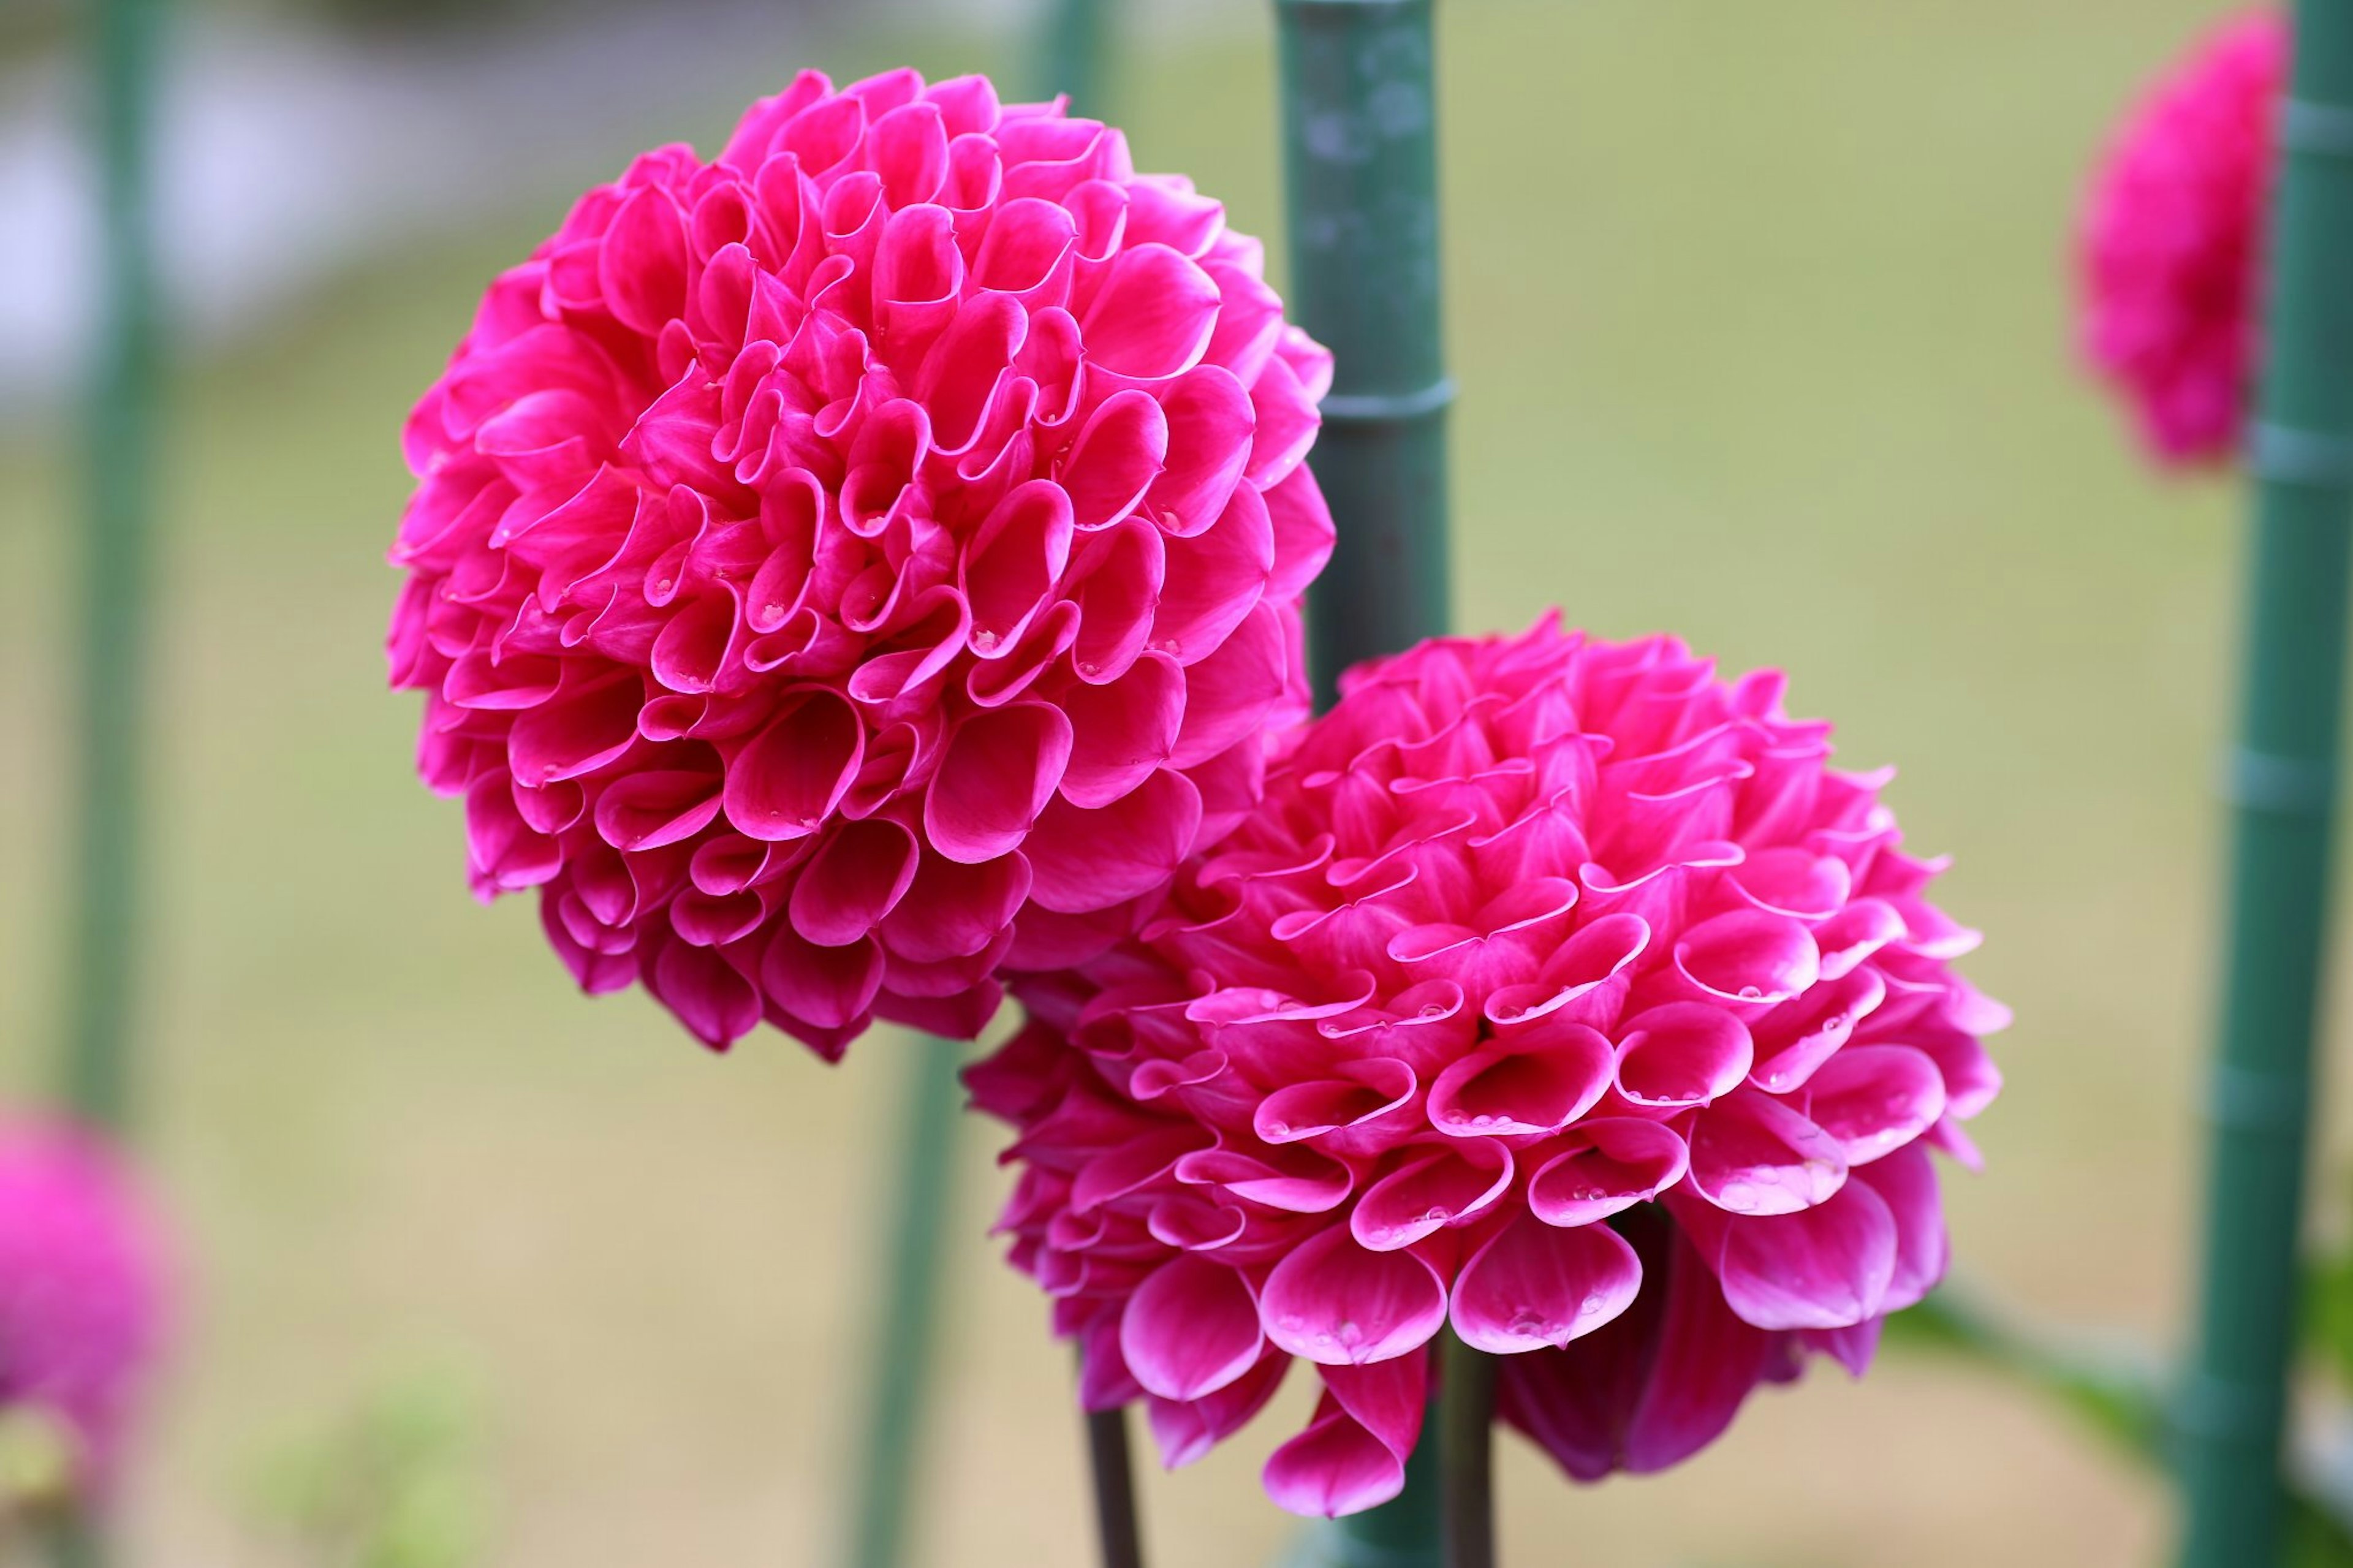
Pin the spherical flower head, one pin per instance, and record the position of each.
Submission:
(2171, 238)
(1560, 990)
(80, 1294)
(861, 562)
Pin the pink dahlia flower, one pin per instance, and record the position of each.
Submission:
(1559, 990)
(2171, 240)
(80, 1291)
(863, 561)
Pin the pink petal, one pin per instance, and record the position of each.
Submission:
(1303, 534)
(1685, 1053)
(1876, 1098)
(1153, 316)
(1186, 1432)
(1333, 1302)
(576, 732)
(1351, 1457)
(1752, 1153)
(1537, 1084)
(1907, 1182)
(1368, 1091)
(1536, 1285)
(1707, 1361)
(1213, 578)
(717, 1004)
(952, 909)
(1825, 1267)
(1116, 584)
(1799, 1036)
(1749, 957)
(1115, 459)
(1210, 426)
(1622, 1161)
(909, 149)
(1123, 731)
(1083, 860)
(853, 883)
(826, 987)
(1190, 1329)
(642, 266)
(1228, 694)
(998, 771)
(1013, 562)
(789, 778)
(1426, 1195)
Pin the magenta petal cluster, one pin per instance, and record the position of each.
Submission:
(2171, 238)
(80, 1290)
(1560, 990)
(857, 564)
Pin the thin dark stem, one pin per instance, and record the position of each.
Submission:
(1466, 1457)
(1114, 1487)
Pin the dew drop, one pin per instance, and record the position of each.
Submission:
(1087, 667)
(1738, 1196)
(1750, 993)
(1435, 1215)
(663, 586)
(1278, 1129)
(984, 641)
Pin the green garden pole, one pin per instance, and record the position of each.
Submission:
(899, 1379)
(109, 706)
(1360, 166)
(115, 567)
(1360, 169)
(2283, 782)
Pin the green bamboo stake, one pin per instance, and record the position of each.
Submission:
(2283, 788)
(898, 1381)
(115, 568)
(125, 398)
(1360, 164)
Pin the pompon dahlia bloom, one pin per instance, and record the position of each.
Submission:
(864, 560)
(80, 1292)
(2171, 243)
(1560, 990)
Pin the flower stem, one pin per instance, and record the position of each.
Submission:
(1466, 1457)
(1115, 1486)
(899, 1381)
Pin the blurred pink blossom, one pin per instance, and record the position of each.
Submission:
(82, 1290)
(2171, 243)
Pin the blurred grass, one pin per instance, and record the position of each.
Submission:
(1760, 317)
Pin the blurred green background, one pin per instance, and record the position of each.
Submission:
(1761, 317)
